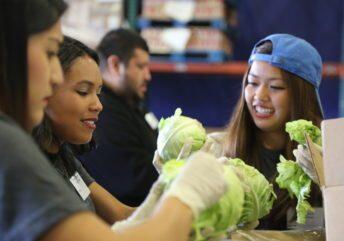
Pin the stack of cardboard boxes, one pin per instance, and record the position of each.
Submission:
(204, 9)
(186, 27)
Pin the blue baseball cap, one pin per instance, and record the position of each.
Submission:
(294, 55)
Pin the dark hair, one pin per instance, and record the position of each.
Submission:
(242, 139)
(122, 43)
(18, 21)
(70, 50)
(241, 128)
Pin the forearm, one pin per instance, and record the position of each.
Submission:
(107, 206)
(171, 222)
(112, 214)
(173, 216)
(84, 226)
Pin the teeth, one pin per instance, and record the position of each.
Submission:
(89, 122)
(262, 110)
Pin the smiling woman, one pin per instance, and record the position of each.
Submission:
(267, 97)
(280, 85)
(75, 106)
(70, 120)
(75, 103)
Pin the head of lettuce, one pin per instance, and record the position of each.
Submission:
(249, 197)
(175, 131)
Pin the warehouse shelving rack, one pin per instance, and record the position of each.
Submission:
(330, 70)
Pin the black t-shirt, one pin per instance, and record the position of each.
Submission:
(33, 197)
(277, 218)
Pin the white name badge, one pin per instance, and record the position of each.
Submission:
(152, 120)
(80, 186)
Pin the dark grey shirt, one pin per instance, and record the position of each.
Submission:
(66, 165)
(33, 197)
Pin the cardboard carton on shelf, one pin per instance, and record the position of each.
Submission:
(204, 9)
(201, 39)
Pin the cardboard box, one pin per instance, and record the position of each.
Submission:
(265, 235)
(334, 212)
(333, 146)
(333, 189)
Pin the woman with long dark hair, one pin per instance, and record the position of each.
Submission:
(68, 126)
(281, 84)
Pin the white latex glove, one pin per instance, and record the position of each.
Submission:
(303, 158)
(214, 143)
(125, 224)
(249, 226)
(224, 160)
(157, 162)
(200, 184)
(144, 210)
(184, 152)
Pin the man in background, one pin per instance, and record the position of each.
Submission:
(126, 134)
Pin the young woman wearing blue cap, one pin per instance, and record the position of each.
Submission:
(280, 85)
(35, 202)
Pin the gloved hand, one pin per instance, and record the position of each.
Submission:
(157, 162)
(214, 143)
(303, 158)
(145, 209)
(200, 184)
(249, 226)
(184, 152)
(125, 224)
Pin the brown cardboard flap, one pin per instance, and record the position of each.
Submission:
(317, 159)
(266, 235)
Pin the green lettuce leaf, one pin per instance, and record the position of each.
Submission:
(259, 194)
(249, 197)
(296, 130)
(298, 184)
(173, 133)
(226, 213)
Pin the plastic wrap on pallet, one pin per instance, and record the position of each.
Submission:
(201, 39)
(204, 9)
(89, 20)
